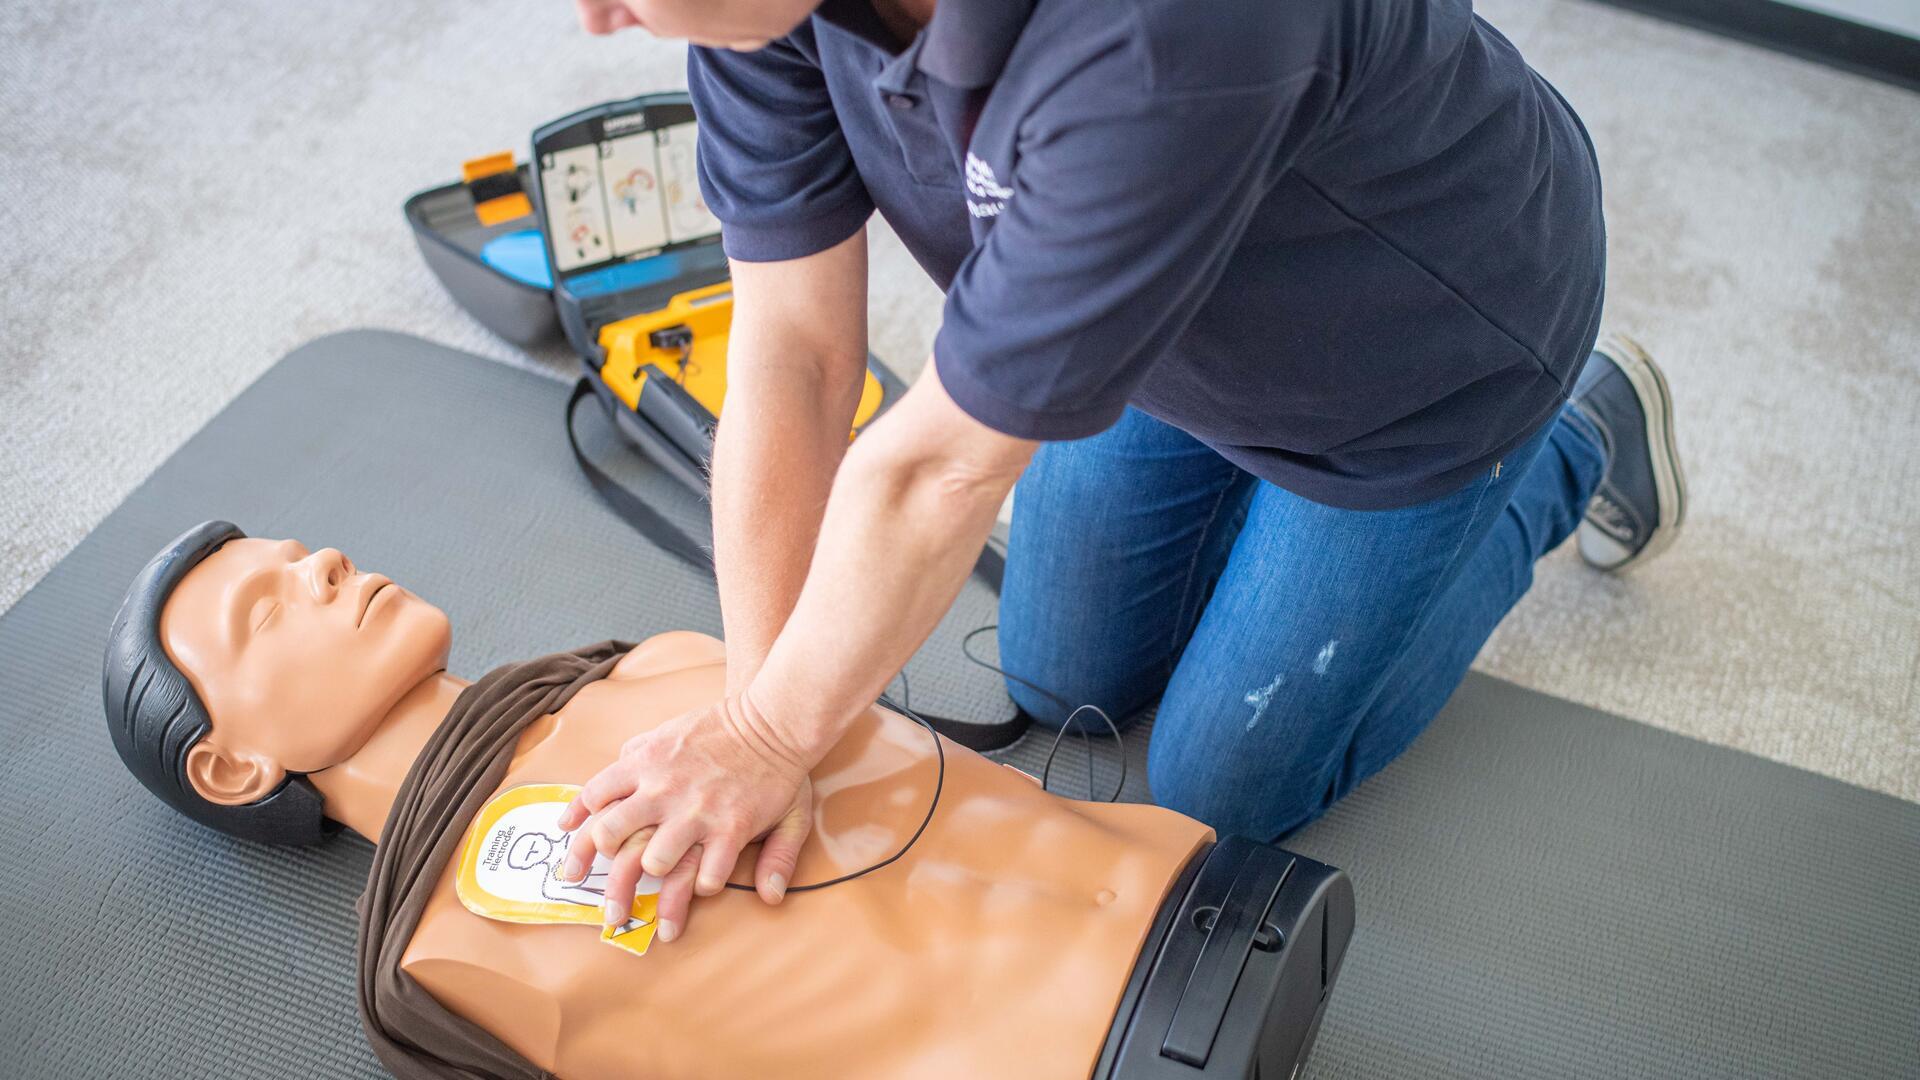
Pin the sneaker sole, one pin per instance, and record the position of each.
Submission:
(1669, 482)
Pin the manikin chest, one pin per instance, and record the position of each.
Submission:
(1027, 908)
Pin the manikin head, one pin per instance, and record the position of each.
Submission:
(730, 24)
(238, 665)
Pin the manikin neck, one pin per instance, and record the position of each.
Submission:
(359, 791)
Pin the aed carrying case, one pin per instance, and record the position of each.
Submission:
(603, 238)
(513, 300)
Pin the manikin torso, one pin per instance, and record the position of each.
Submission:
(997, 947)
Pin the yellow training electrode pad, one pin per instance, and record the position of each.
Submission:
(511, 865)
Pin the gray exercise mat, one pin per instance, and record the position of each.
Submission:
(1543, 890)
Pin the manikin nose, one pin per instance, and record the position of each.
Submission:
(326, 570)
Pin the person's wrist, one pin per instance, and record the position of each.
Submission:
(780, 718)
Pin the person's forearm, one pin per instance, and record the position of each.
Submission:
(773, 465)
(899, 537)
(796, 355)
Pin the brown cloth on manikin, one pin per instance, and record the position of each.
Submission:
(461, 766)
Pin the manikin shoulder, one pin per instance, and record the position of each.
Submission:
(662, 654)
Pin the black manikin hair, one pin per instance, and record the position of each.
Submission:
(155, 716)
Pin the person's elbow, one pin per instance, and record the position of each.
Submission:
(966, 480)
(928, 449)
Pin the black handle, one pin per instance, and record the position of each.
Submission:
(1230, 932)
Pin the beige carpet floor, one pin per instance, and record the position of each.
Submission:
(189, 191)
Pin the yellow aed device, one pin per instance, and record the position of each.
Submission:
(685, 343)
(641, 283)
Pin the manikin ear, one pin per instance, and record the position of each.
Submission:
(230, 779)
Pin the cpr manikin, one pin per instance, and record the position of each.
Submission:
(999, 945)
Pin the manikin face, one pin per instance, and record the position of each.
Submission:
(729, 24)
(297, 656)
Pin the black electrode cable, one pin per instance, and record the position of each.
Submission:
(939, 784)
(940, 755)
(1046, 771)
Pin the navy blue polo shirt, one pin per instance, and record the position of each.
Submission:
(1355, 246)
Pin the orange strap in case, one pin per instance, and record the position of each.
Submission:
(495, 184)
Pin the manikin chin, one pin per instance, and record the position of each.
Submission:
(271, 692)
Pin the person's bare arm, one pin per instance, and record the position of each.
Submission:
(911, 507)
(796, 359)
(913, 501)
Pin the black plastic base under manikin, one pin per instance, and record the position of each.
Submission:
(1235, 973)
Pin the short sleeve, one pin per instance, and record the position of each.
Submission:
(1123, 210)
(774, 165)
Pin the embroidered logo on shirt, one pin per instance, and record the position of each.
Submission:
(982, 184)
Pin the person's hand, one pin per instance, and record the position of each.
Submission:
(604, 16)
(683, 800)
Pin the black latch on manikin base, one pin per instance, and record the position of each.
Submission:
(1239, 973)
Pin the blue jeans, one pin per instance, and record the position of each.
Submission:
(1295, 648)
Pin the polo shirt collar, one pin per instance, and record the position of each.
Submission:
(968, 41)
(966, 45)
(858, 18)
